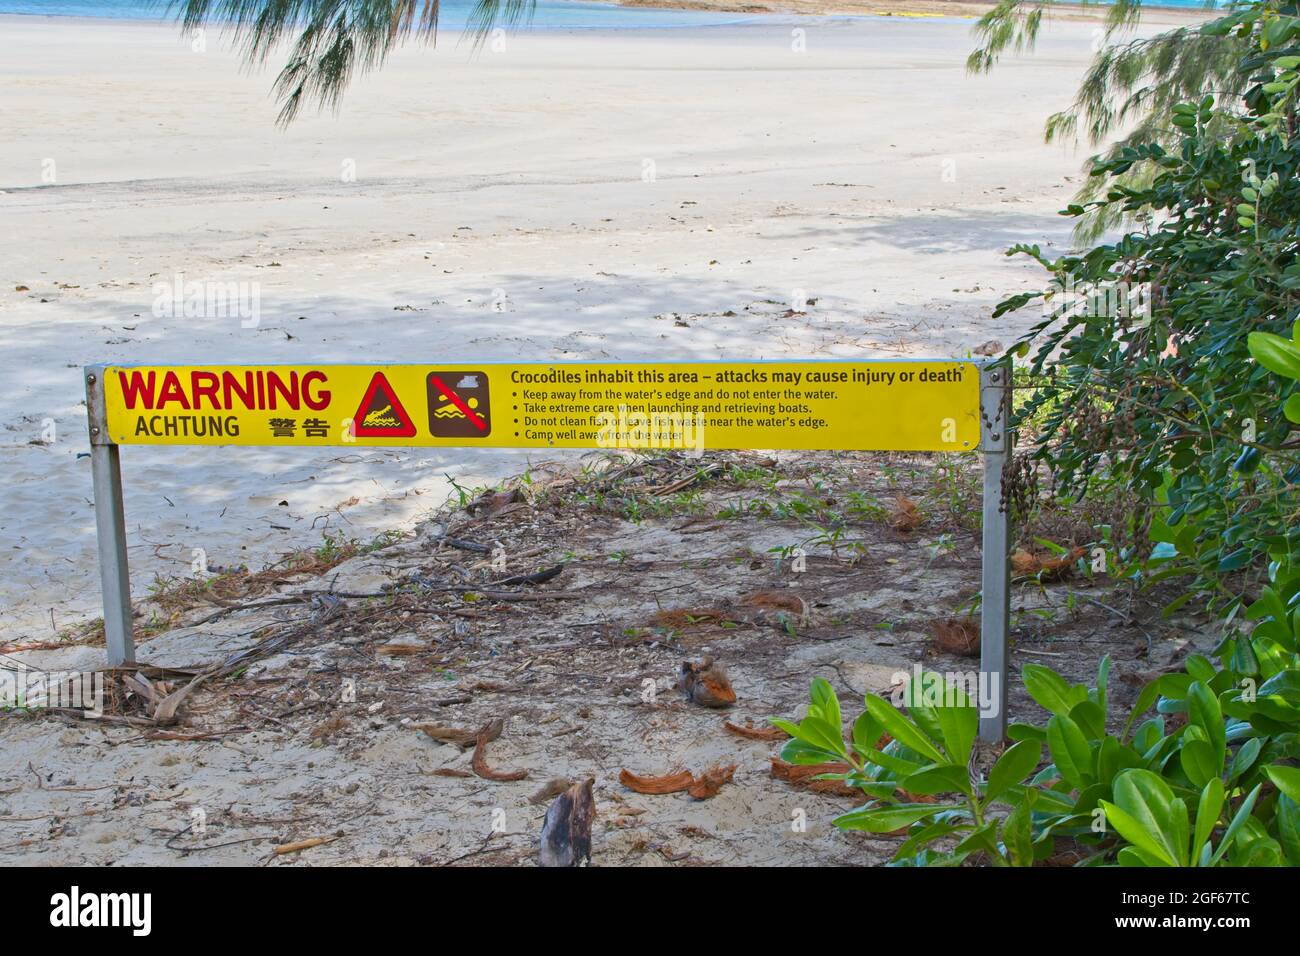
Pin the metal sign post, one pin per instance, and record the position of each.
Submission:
(936, 406)
(110, 524)
(995, 597)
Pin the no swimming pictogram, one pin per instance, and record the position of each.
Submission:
(458, 405)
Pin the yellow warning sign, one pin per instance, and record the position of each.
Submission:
(832, 405)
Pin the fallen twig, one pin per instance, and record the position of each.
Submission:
(537, 577)
(460, 736)
(755, 733)
(299, 845)
(480, 764)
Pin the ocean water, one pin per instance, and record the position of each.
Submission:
(454, 15)
(548, 14)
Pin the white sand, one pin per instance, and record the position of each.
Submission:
(775, 172)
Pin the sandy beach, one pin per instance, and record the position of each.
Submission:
(581, 195)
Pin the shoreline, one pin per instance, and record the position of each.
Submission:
(773, 9)
(918, 9)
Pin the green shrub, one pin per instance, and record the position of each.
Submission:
(1166, 367)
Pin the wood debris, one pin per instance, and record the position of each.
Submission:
(802, 776)
(552, 788)
(402, 650)
(480, 764)
(566, 831)
(679, 618)
(755, 733)
(779, 599)
(328, 727)
(671, 783)
(960, 636)
(299, 845)
(461, 736)
(775, 607)
(708, 784)
(1045, 568)
(779, 608)
(701, 786)
(905, 515)
(493, 504)
(705, 683)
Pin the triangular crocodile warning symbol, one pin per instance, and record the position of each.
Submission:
(380, 414)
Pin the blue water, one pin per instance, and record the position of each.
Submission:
(548, 14)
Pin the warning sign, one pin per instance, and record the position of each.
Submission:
(458, 405)
(834, 405)
(380, 414)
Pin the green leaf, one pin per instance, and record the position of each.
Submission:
(1147, 845)
(813, 732)
(888, 818)
(1275, 353)
(1146, 697)
(1247, 462)
(1291, 408)
(1260, 850)
(1286, 779)
(959, 722)
(1106, 759)
(1090, 718)
(1239, 821)
(1070, 751)
(1016, 763)
(1020, 731)
(902, 729)
(1244, 759)
(867, 732)
(1197, 760)
(1050, 690)
(982, 839)
(1203, 711)
(825, 704)
(1236, 560)
(1288, 828)
(1207, 815)
(1133, 857)
(938, 778)
(927, 834)
(890, 760)
(1142, 797)
(805, 754)
(1017, 832)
